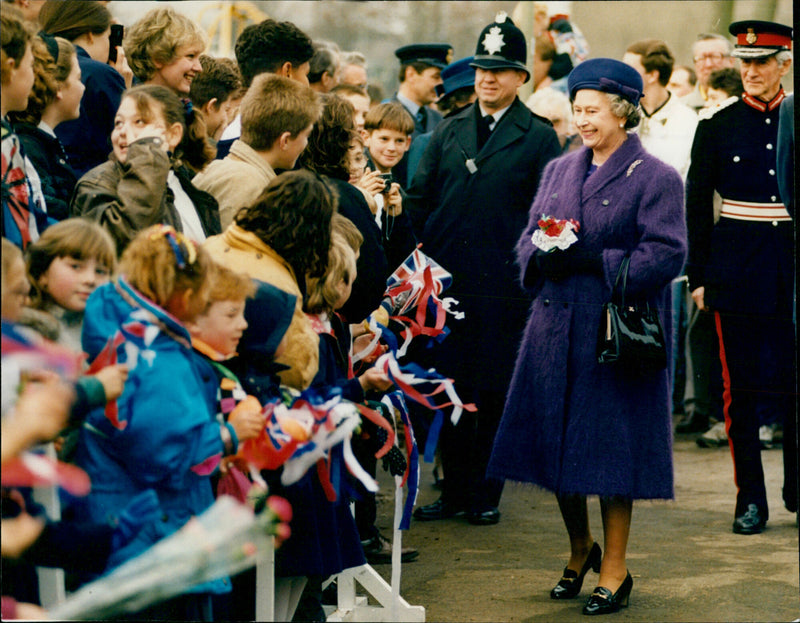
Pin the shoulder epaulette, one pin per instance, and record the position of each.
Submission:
(707, 113)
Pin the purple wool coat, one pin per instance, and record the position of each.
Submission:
(571, 425)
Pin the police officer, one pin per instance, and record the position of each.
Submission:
(420, 72)
(741, 268)
(469, 202)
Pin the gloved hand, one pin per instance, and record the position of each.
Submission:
(557, 265)
(141, 510)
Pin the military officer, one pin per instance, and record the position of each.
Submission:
(741, 268)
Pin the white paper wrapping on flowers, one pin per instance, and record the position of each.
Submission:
(224, 540)
(547, 243)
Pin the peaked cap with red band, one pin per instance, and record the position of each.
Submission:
(757, 39)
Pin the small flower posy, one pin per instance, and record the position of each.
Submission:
(555, 233)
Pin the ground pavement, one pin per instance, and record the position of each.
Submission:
(686, 563)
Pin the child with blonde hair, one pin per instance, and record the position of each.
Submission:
(162, 433)
(158, 143)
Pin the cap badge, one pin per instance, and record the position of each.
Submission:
(751, 36)
(449, 58)
(493, 41)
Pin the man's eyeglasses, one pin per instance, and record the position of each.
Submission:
(715, 57)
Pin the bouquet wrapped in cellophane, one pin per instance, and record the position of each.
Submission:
(226, 539)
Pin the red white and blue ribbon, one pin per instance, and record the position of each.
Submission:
(428, 388)
(411, 475)
(31, 469)
(328, 419)
(413, 291)
(29, 351)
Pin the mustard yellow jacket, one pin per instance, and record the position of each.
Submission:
(244, 252)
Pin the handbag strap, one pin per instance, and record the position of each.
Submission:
(622, 274)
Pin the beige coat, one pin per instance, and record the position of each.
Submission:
(235, 181)
(244, 252)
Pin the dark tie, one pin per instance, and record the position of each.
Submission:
(483, 129)
(419, 121)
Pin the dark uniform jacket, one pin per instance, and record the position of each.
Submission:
(745, 265)
(470, 222)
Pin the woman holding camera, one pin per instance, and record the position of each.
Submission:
(572, 425)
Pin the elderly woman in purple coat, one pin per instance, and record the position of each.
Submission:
(572, 425)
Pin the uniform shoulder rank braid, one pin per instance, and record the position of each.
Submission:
(707, 113)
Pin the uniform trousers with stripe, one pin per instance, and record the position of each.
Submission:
(757, 353)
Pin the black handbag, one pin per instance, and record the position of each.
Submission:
(630, 332)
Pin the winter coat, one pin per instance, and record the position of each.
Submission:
(46, 154)
(571, 425)
(165, 437)
(373, 266)
(128, 197)
(236, 181)
(469, 223)
(86, 139)
(244, 252)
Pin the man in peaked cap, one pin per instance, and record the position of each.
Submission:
(741, 268)
(469, 202)
(420, 72)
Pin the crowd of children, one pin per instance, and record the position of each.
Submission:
(196, 290)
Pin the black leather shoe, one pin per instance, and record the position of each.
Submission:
(378, 551)
(438, 510)
(752, 522)
(488, 517)
(601, 601)
(571, 582)
(693, 423)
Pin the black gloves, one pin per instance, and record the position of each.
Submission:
(558, 264)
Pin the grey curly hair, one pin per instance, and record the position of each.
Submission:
(624, 109)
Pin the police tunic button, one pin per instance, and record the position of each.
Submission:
(769, 145)
(605, 202)
(736, 158)
(772, 171)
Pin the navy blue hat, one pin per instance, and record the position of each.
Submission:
(757, 39)
(501, 45)
(607, 75)
(456, 76)
(433, 54)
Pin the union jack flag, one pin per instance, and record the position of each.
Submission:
(406, 285)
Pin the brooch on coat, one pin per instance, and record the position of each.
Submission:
(634, 164)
